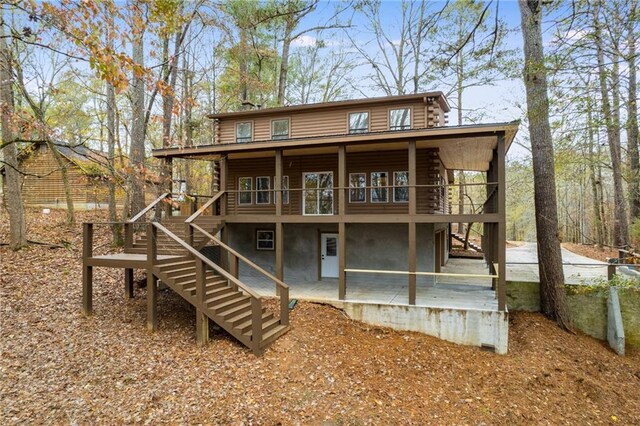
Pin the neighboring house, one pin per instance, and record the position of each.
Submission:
(87, 172)
(365, 189)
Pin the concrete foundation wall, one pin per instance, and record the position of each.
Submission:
(587, 305)
(369, 246)
(466, 327)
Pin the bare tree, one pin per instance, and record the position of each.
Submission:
(14, 203)
(552, 294)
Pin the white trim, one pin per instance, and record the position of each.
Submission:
(288, 136)
(410, 108)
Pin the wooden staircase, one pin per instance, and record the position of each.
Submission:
(170, 252)
(176, 224)
(224, 303)
(472, 245)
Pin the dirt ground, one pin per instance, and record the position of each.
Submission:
(58, 367)
(591, 251)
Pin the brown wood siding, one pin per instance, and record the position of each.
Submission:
(323, 123)
(428, 167)
(43, 183)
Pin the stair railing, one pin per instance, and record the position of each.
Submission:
(281, 288)
(128, 225)
(194, 216)
(201, 261)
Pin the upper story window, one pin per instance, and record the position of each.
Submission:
(280, 129)
(244, 131)
(358, 122)
(400, 119)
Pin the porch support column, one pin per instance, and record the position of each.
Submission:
(128, 283)
(411, 253)
(87, 271)
(342, 228)
(224, 232)
(152, 281)
(502, 226)
(167, 183)
(277, 186)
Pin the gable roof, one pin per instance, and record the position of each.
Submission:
(437, 96)
(80, 155)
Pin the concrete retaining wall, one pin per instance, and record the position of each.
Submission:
(588, 307)
(466, 327)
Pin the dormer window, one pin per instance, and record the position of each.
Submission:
(244, 131)
(400, 119)
(280, 129)
(358, 122)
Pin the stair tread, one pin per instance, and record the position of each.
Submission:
(266, 316)
(236, 309)
(229, 302)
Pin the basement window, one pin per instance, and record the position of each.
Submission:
(265, 239)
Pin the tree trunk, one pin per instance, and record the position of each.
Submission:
(632, 120)
(284, 64)
(116, 228)
(136, 147)
(13, 196)
(552, 294)
(620, 230)
(63, 171)
(597, 219)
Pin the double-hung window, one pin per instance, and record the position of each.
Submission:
(263, 193)
(357, 184)
(245, 187)
(244, 131)
(400, 188)
(280, 129)
(358, 122)
(265, 239)
(400, 119)
(379, 190)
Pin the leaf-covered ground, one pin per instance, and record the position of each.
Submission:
(58, 367)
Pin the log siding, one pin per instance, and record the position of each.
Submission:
(428, 173)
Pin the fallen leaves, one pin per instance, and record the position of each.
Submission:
(56, 366)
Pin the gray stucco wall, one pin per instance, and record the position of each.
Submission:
(369, 246)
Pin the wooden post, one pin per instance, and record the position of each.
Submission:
(234, 265)
(256, 324)
(279, 231)
(168, 168)
(152, 287)
(202, 321)
(128, 283)
(128, 235)
(189, 233)
(284, 306)
(87, 271)
(502, 225)
(411, 252)
(611, 271)
(224, 169)
(342, 228)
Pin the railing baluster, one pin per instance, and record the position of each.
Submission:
(87, 271)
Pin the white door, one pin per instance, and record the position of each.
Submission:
(329, 255)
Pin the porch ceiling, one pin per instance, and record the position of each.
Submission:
(467, 153)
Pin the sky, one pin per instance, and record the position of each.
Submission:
(501, 102)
